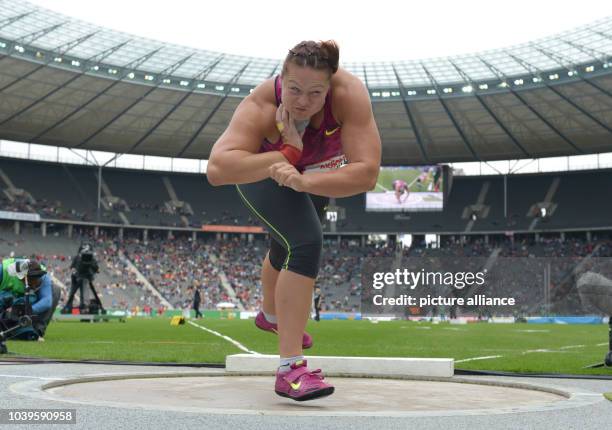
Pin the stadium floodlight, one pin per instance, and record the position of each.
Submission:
(431, 91)
(474, 216)
(19, 48)
(518, 82)
(201, 85)
(590, 68)
(75, 63)
(375, 94)
(2, 45)
(412, 93)
(219, 87)
(483, 86)
(503, 84)
(96, 68)
(553, 76)
(395, 93)
(131, 75)
(467, 89)
(112, 71)
(235, 90)
(447, 90)
(386, 94)
(184, 83)
(606, 65)
(536, 79)
(149, 78)
(167, 81)
(58, 59)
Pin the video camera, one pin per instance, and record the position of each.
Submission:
(16, 318)
(84, 263)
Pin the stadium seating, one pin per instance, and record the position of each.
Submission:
(65, 191)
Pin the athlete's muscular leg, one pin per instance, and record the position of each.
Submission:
(273, 263)
(293, 299)
(291, 267)
(269, 277)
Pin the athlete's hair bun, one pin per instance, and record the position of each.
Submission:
(323, 55)
(331, 50)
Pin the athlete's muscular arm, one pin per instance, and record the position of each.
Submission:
(360, 143)
(234, 158)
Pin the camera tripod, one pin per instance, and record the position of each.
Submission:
(78, 284)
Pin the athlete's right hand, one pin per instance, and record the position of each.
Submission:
(287, 129)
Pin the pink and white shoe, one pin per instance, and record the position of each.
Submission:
(300, 384)
(262, 323)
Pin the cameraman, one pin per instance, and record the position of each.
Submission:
(84, 267)
(12, 287)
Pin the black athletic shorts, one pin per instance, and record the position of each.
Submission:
(294, 222)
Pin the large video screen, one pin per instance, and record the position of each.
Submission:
(408, 189)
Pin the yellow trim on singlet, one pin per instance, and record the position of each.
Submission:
(285, 264)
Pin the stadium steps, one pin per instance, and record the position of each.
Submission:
(108, 193)
(144, 280)
(11, 190)
(170, 189)
(226, 285)
(6, 180)
(174, 198)
(550, 193)
(479, 202)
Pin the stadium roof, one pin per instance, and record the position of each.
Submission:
(68, 83)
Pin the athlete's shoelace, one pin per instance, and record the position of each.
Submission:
(311, 373)
(315, 373)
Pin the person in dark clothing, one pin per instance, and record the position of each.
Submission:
(317, 303)
(196, 303)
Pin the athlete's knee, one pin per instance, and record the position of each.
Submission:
(305, 257)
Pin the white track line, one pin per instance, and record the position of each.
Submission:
(380, 186)
(30, 377)
(529, 351)
(413, 181)
(488, 357)
(229, 339)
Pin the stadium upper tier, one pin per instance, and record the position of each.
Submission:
(69, 83)
(67, 193)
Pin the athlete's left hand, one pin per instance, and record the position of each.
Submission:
(285, 174)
